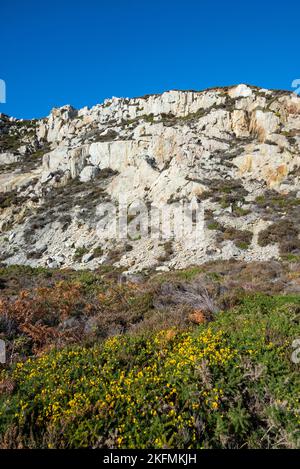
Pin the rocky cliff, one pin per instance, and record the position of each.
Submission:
(235, 151)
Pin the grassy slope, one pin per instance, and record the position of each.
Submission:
(226, 384)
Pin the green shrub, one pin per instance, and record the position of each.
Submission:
(229, 384)
(97, 252)
(240, 212)
(214, 225)
(284, 232)
(79, 253)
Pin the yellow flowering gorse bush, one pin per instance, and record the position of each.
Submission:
(168, 389)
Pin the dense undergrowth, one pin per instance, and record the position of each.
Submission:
(192, 367)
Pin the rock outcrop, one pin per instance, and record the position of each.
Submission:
(233, 151)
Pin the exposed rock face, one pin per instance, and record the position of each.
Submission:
(234, 150)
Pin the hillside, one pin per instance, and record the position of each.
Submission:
(150, 273)
(198, 358)
(233, 151)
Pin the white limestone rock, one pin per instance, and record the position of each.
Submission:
(158, 149)
(240, 91)
(88, 173)
(8, 158)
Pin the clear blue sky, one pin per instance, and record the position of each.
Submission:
(79, 52)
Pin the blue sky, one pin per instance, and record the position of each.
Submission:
(80, 52)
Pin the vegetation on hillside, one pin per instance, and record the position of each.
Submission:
(187, 359)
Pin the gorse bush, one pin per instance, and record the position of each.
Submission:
(43, 317)
(42, 308)
(227, 384)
